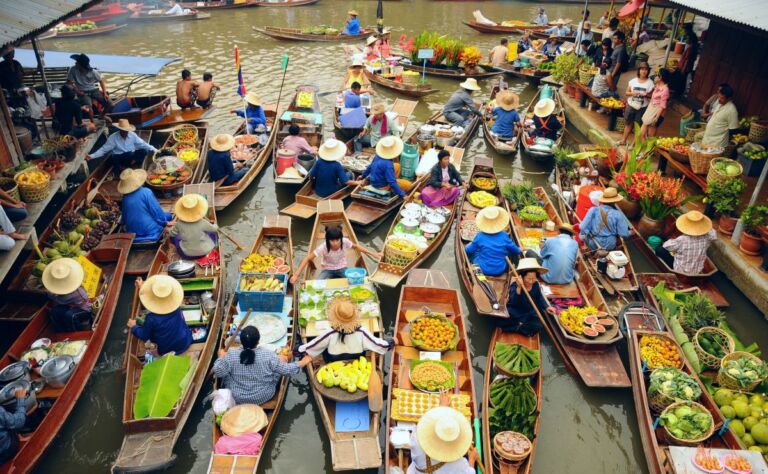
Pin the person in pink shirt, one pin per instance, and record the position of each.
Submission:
(654, 114)
(298, 144)
(333, 256)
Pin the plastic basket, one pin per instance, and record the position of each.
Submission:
(33, 192)
(688, 442)
(726, 381)
(705, 358)
(261, 300)
(714, 175)
(355, 276)
(12, 191)
(758, 131)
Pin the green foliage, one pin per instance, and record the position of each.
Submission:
(725, 195)
(566, 68)
(447, 50)
(520, 194)
(533, 213)
(753, 217)
(160, 387)
(563, 158)
(698, 311)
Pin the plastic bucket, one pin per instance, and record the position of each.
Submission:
(285, 159)
(355, 276)
(583, 203)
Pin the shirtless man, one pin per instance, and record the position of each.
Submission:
(205, 90)
(186, 90)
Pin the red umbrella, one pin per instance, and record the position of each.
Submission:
(630, 8)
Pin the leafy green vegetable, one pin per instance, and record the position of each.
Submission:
(521, 194)
(533, 213)
(674, 383)
(687, 421)
(745, 370)
(513, 395)
(499, 421)
(697, 312)
(160, 386)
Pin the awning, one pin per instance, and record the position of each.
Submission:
(107, 63)
(745, 12)
(21, 19)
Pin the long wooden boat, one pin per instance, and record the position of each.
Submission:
(305, 205)
(99, 30)
(148, 443)
(597, 360)
(404, 109)
(295, 34)
(541, 155)
(502, 147)
(178, 116)
(517, 71)
(349, 450)
(143, 17)
(492, 462)
(111, 256)
(310, 122)
(274, 227)
(467, 213)
(430, 289)
(217, 5)
(453, 73)
(140, 111)
(285, 3)
(501, 29)
(101, 14)
(411, 90)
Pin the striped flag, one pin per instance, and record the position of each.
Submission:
(240, 83)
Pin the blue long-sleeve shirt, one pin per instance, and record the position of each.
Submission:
(489, 252)
(504, 125)
(169, 331)
(381, 173)
(559, 257)
(9, 422)
(254, 115)
(352, 28)
(143, 216)
(605, 234)
(351, 100)
(329, 176)
(220, 164)
(119, 145)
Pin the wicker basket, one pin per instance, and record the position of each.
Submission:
(585, 76)
(398, 258)
(700, 160)
(714, 175)
(509, 456)
(659, 401)
(688, 442)
(705, 358)
(758, 131)
(33, 192)
(177, 134)
(692, 129)
(620, 124)
(12, 191)
(726, 381)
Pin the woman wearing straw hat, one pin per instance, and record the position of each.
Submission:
(63, 281)
(193, 234)
(254, 113)
(355, 73)
(687, 253)
(604, 224)
(327, 172)
(128, 149)
(445, 182)
(141, 212)
(352, 27)
(376, 127)
(382, 172)
(164, 325)
(506, 119)
(552, 48)
(491, 246)
(333, 255)
(460, 107)
(222, 169)
(346, 339)
(523, 317)
(545, 123)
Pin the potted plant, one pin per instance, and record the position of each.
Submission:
(566, 70)
(753, 217)
(725, 197)
(634, 164)
(659, 197)
(519, 195)
(565, 162)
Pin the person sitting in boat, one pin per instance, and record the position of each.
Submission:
(688, 252)
(88, 84)
(560, 30)
(541, 18)
(498, 55)
(376, 127)
(523, 317)
(558, 255)
(381, 48)
(10, 422)
(8, 234)
(221, 168)
(352, 96)
(356, 74)
(63, 282)
(545, 123)
(506, 119)
(524, 43)
(333, 255)
(552, 48)
(298, 144)
(383, 172)
(177, 9)
(68, 115)
(346, 339)
(186, 90)
(327, 172)
(193, 234)
(492, 245)
(445, 182)
(352, 27)
(128, 149)
(164, 324)
(604, 224)
(141, 212)
(460, 107)
(369, 53)
(254, 113)
(206, 90)
(251, 372)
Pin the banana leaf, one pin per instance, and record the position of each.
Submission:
(160, 387)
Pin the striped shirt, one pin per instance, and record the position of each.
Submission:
(254, 383)
(358, 342)
(690, 252)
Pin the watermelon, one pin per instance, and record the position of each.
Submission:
(272, 270)
(599, 328)
(590, 320)
(590, 333)
(279, 262)
(607, 322)
(283, 269)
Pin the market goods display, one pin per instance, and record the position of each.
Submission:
(482, 199)
(741, 371)
(748, 416)
(712, 344)
(669, 142)
(516, 359)
(659, 351)
(533, 215)
(546, 66)
(409, 405)
(434, 333)
(586, 321)
(688, 423)
(260, 283)
(242, 152)
(737, 464)
(697, 312)
(668, 385)
(189, 154)
(320, 30)
(305, 99)
(753, 151)
(186, 133)
(513, 395)
(84, 26)
(611, 103)
(247, 140)
(400, 251)
(432, 375)
(257, 263)
(499, 420)
(314, 301)
(739, 139)
(706, 461)
(33, 184)
(484, 184)
(168, 172)
(512, 446)
(468, 230)
(349, 376)
(59, 145)
(519, 195)
(36, 356)
(360, 294)
(745, 122)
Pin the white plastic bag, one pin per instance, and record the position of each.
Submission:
(428, 160)
(223, 400)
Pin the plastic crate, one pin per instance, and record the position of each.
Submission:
(261, 300)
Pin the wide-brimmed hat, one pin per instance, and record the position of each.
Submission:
(470, 84)
(190, 207)
(252, 98)
(352, 12)
(693, 223)
(568, 228)
(378, 108)
(343, 314)
(389, 147)
(444, 434)
(161, 294)
(370, 40)
(527, 264)
(356, 62)
(332, 150)
(63, 276)
(124, 125)
(81, 59)
(610, 195)
(222, 142)
(131, 180)
(544, 108)
(560, 21)
(242, 419)
(492, 219)
(507, 100)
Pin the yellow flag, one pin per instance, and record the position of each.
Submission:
(512, 53)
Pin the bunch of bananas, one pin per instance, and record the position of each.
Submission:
(349, 376)
(402, 245)
(573, 317)
(257, 263)
(740, 138)
(481, 199)
(254, 283)
(611, 103)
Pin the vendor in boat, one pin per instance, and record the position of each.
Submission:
(541, 18)
(164, 324)
(86, 82)
(376, 127)
(445, 182)
(558, 255)
(327, 172)
(222, 170)
(524, 43)
(352, 27)
(251, 372)
(128, 149)
(356, 74)
(10, 422)
(352, 96)
(688, 252)
(193, 234)
(380, 47)
(506, 119)
(460, 107)
(63, 281)
(333, 255)
(254, 113)
(523, 317)
(141, 212)
(498, 55)
(298, 144)
(346, 339)
(552, 48)
(186, 90)
(176, 9)
(560, 30)
(369, 52)
(546, 123)
(492, 245)
(383, 172)
(604, 224)
(68, 115)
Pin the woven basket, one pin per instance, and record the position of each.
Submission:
(12, 191)
(398, 258)
(33, 192)
(726, 381)
(705, 358)
(700, 161)
(509, 456)
(179, 131)
(585, 76)
(620, 124)
(758, 131)
(692, 129)
(688, 442)
(714, 175)
(659, 401)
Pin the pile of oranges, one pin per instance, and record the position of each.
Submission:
(434, 333)
(657, 351)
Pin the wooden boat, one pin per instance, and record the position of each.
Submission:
(529, 73)
(452, 73)
(349, 450)
(273, 227)
(295, 34)
(492, 462)
(431, 289)
(43, 424)
(402, 107)
(144, 17)
(101, 14)
(285, 3)
(411, 90)
(502, 147)
(99, 30)
(500, 29)
(305, 205)
(148, 443)
(178, 116)
(541, 155)
(309, 120)
(217, 5)
(346, 134)
(141, 111)
(467, 212)
(597, 360)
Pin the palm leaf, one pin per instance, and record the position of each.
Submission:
(160, 386)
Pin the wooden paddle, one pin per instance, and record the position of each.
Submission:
(231, 239)
(128, 335)
(233, 337)
(375, 399)
(93, 192)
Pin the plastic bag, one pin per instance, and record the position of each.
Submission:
(223, 400)
(428, 160)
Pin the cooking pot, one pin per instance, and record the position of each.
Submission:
(410, 225)
(410, 214)
(436, 218)
(429, 231)
(13, 372)
(8, 394)
(57, 370)
(181, 269)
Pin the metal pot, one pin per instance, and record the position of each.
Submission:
(8, 394)
(410, 214)
(436, 218)
(410, 225)
(181, 269)
(13, 372)
(57, 370)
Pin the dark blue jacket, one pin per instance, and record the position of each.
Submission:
(143, 216)
(169, 331)
(220, 164)
(329, 176)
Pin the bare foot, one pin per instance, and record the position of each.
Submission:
(17, 236)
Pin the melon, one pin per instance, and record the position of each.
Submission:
(272, 270)
(599, 328)
(590, 320)
(607, 322)
(283, 269)
(590, 333)
(279, 261)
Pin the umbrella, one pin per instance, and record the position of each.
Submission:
(380, 17)
(630, 8)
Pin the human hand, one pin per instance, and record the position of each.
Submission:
(305, 361)
(284, 357)
(170, 223)
(550, 310)
(379, 255)
(222, 353)
(21, 393)
(294, 279)
(445, 399)
(88, 157)
(131, 323)
(473, 456)
(138, 282)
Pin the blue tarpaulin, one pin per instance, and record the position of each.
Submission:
(107, 63)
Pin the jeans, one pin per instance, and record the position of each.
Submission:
(460, 117)
(134, 159)
(328, 274)
(235, 177)
(361, 143)
(6, 242)
(15, 214)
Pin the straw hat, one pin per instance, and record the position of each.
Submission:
(610, 195)
(560, 22)
(291, 173)
(470, 84)
(389, 147)
(332, 150)
(63, 276)
(356, 62)
(544, 108)
(527, 264)
(568, 228)
(125, 125)
(161, 294)
(252, 98)
(131, 180)
(352, 12)
(343, 314)
(222, 142)
(190, 208)
(693, 223)
(370, 40)
(444, 434)
(378, 108)
(242, 419)
(507, 100)
(492, 219)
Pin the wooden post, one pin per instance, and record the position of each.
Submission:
(41, 70)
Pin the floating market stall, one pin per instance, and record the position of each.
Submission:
(319, 33)
(304, 111)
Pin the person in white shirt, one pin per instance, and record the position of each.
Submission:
(604, 19)
(128, 149)
(639, 91)
(584, 32)
(723, 121)
(613, 26)
(176, 9)
(541, 18)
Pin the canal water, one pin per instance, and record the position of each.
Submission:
(582, 430)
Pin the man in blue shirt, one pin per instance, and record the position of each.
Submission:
(352, 96)
(541, 18)
(505, 114)
(327, 172)
(254, 113)
(141, 213)
(381, 172)
(604, 224)
(11, 421)
(222, 170)
(491, 246)
(128, 149)
(559, 257)
(353, 26)
(559, 30)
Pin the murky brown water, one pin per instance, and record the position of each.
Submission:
(582, 430)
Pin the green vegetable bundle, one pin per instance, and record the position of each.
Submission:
(516, 359)
(674, 383)
(513, 395)
(521, 194)
(745, 370)
(697, 312)
(687, 421)
(533, 213)
(519, 422)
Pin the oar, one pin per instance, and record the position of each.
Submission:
(231, 239)
(93, 192)
(232, 338)
(128, 334)
(375, 401)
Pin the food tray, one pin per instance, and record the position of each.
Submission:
(409, 405)
(422, 347)
(449, 367)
